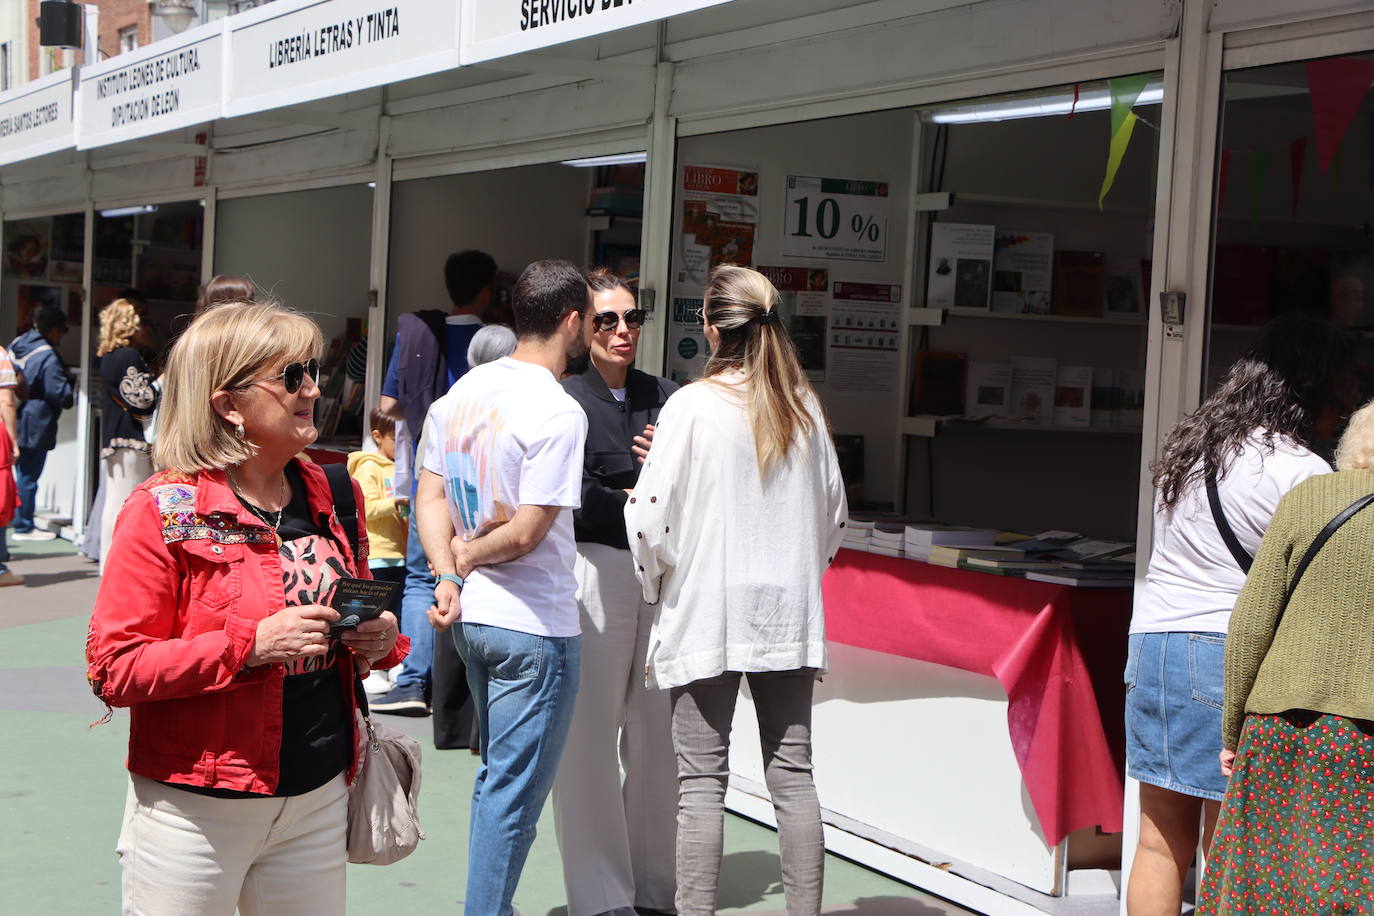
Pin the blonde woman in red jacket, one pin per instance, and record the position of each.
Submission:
(210, 626)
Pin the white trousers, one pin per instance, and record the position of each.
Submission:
(618, 841)
(183, 853)
(124, 470)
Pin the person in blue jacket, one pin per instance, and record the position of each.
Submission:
(48, 392)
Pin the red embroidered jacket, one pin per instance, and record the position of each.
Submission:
(190, 574)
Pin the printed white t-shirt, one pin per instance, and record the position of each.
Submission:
(1192, 581)
(506, 435)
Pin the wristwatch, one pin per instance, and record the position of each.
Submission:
(452, 577)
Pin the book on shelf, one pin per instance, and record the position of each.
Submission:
(1073, 393)
(1131, 406)
(1033, 381)
(953, 556)
(987, 389)
(1023, 272)
(1019, 565)
(986, 567)
(1079, 283)
(859, 524)
(885, 551)
(961, 257)
(1105, 396)
(938, 383)
(1124, 293)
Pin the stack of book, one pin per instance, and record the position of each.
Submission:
(858, 534)
(888, 539)
(920, 538)
(1058, 557)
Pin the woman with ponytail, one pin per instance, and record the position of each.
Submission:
(737, 513)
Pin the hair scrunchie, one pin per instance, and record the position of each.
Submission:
(768, 317)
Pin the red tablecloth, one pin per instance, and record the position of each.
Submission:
(1059, 653)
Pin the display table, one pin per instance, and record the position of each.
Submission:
(967, 724)
(1058, 651)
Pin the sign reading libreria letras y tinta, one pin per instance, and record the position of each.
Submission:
(293, 51)
(496, 28)
(173, 83)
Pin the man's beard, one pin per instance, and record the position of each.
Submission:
(577, 353)
(576, 365)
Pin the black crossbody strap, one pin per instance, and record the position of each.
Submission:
(345, 506)
(1244, 559)
(1322, 537)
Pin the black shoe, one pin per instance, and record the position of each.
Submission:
(401, 701)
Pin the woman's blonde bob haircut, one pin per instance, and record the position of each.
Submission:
(226, 346)
(119, 322)
(1356, 450)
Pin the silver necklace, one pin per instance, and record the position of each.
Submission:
(262, 514)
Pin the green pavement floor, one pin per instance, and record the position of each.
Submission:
(63, 784)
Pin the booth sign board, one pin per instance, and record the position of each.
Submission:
(36, 118)
(164, 86)
(496, 28)
(295, 51)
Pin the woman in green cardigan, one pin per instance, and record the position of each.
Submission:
(1296, 833)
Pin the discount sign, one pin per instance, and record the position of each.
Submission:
(840, 219)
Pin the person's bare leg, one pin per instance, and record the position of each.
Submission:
(1168, 842)
(1211, 810)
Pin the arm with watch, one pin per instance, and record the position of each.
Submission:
(454, 558)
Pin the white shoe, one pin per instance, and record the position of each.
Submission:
(376, 683)
(37, 534)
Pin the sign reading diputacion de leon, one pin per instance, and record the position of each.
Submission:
(164, 86)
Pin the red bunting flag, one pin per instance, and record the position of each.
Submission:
(1297, 152)
(1337, 86)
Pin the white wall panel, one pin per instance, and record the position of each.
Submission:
(970, 39)
(1229, 15)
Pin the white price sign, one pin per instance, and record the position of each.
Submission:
(841, 219)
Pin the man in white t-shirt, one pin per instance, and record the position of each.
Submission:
(502, 467)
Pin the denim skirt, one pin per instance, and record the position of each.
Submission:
(1173, 711)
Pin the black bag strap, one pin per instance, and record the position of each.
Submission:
(345, 506)
(1244, 559)
(1322, 537)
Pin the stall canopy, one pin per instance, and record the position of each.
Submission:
(498, 28)
(36, 118)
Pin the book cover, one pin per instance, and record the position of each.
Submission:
(1123, 289)
(1023, 272)
(938, 383)
(1033, 380)
(1079, 283)
(1104, 397)
(1080, 579)
(357, 600)
(949, 536)
(960, 266)
(1073, 392)
(1131, 408)
(987, 392)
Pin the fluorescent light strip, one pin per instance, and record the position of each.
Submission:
(129, 211)
(618, 159)
(1045, 106)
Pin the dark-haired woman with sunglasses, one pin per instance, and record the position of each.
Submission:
(617, 840)
(211, 626)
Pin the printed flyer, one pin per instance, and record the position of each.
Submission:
(803, 307)
(720, 215)
(865, 328)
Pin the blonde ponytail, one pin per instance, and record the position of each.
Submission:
(741, 304)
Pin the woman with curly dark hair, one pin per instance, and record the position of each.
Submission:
(1218, 480)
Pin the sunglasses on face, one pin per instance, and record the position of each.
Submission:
(293, 376)
(609, 321)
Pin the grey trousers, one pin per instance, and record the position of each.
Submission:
(702, 713)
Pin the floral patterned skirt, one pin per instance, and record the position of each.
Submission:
(1296, 833)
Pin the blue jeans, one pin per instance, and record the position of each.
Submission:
(416, 597)
(4, 546)
(523, 687)
(27, 470)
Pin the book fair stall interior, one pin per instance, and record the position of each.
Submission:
(967, 294)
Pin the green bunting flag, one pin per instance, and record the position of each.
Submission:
(1124, 91)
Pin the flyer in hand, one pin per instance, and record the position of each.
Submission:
(357, 600)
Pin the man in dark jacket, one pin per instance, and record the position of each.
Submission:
(49, 392)
(430, 355)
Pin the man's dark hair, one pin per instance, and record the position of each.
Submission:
(134, 295)
(49, 318)
(545, 293)
(467, 273)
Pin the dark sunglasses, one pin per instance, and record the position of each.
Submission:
(292, 377)
(609, 321)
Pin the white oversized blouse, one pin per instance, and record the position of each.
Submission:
(735, 561)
